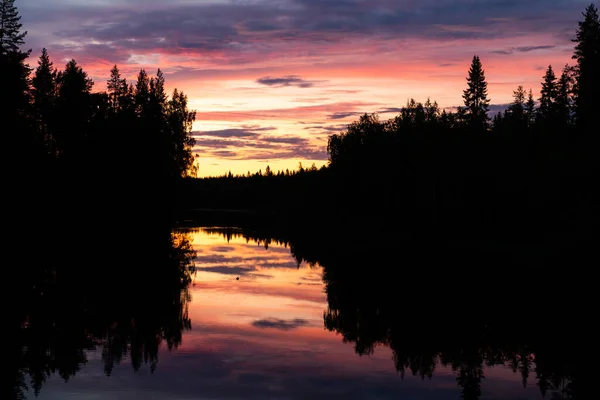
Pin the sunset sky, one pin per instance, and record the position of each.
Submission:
(271, 79)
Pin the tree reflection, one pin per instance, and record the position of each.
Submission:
(463, 317)
(434, 304)
(120, 291)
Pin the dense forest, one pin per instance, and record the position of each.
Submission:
(69, 147)
(532, 168)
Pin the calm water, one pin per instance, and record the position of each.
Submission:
(255, 323)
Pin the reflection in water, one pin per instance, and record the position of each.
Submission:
(259, 307)
(461, 316)
(126, 300)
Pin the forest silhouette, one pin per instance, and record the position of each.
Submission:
(81, 166)
(529, 170)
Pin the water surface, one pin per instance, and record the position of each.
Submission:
(254, 322)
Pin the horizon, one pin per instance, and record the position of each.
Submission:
(271, 80)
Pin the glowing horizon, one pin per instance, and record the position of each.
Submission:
(272, 79)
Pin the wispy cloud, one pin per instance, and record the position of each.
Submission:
(522, 49)
(280, 324)
(285, 81)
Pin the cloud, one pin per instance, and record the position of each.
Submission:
(342, 115)
(388, 110)
(285, 81)
(228, 270)
(526, 49)
(523, 49)
(245, 32)
(280, 324)
(242, 132)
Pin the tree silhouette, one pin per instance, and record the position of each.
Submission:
(74, 110)
(530, 109)
(475, 96)
(11, 37)
(180, 121)
(587, 54)
(44, 93)
(117, 89)
(564, 103)
(548, 96)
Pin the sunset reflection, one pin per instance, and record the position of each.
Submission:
(257, 331)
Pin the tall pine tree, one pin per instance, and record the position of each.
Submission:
(530, 109)
(116, 88)
(548, 96)
(11, 37)
(587, 54)
(475, 96)
(564, 90)
(44, 97)
(18, 134)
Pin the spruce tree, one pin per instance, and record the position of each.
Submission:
(180, 121)
(548, 95)
(517, 107)
(11, 37)
(74, 109)
(18, 134)
(563, 97)
(44, 96)
(475, 96)
(587, 54)
(116, 88)
(142, 93)
(530, 109)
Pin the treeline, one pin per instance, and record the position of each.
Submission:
(531, 168)
(57, 132)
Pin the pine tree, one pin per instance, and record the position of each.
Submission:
(11, 37)
(44, 96)
(587, 54)
(74, 109)
(548, 95)
(116, 88)
(530, 109)
(158, 96)
(180, 121)
(19, 136)
(517, 107)
(142, 93)
(563, 96)
(475, 96)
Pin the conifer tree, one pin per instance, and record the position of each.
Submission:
(530, 108)
(44, 97)
(548, 95)
(116, 88)
(74, 109)
(11, 37)
(563, 97)
(587, 54)
(18, 133)
(517, 107)
(142, 93)
(475, 96)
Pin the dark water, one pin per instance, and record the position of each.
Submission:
(232, 316)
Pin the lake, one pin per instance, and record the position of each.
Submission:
(246, 317)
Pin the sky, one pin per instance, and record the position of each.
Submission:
(272, 79)
(262, 337)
